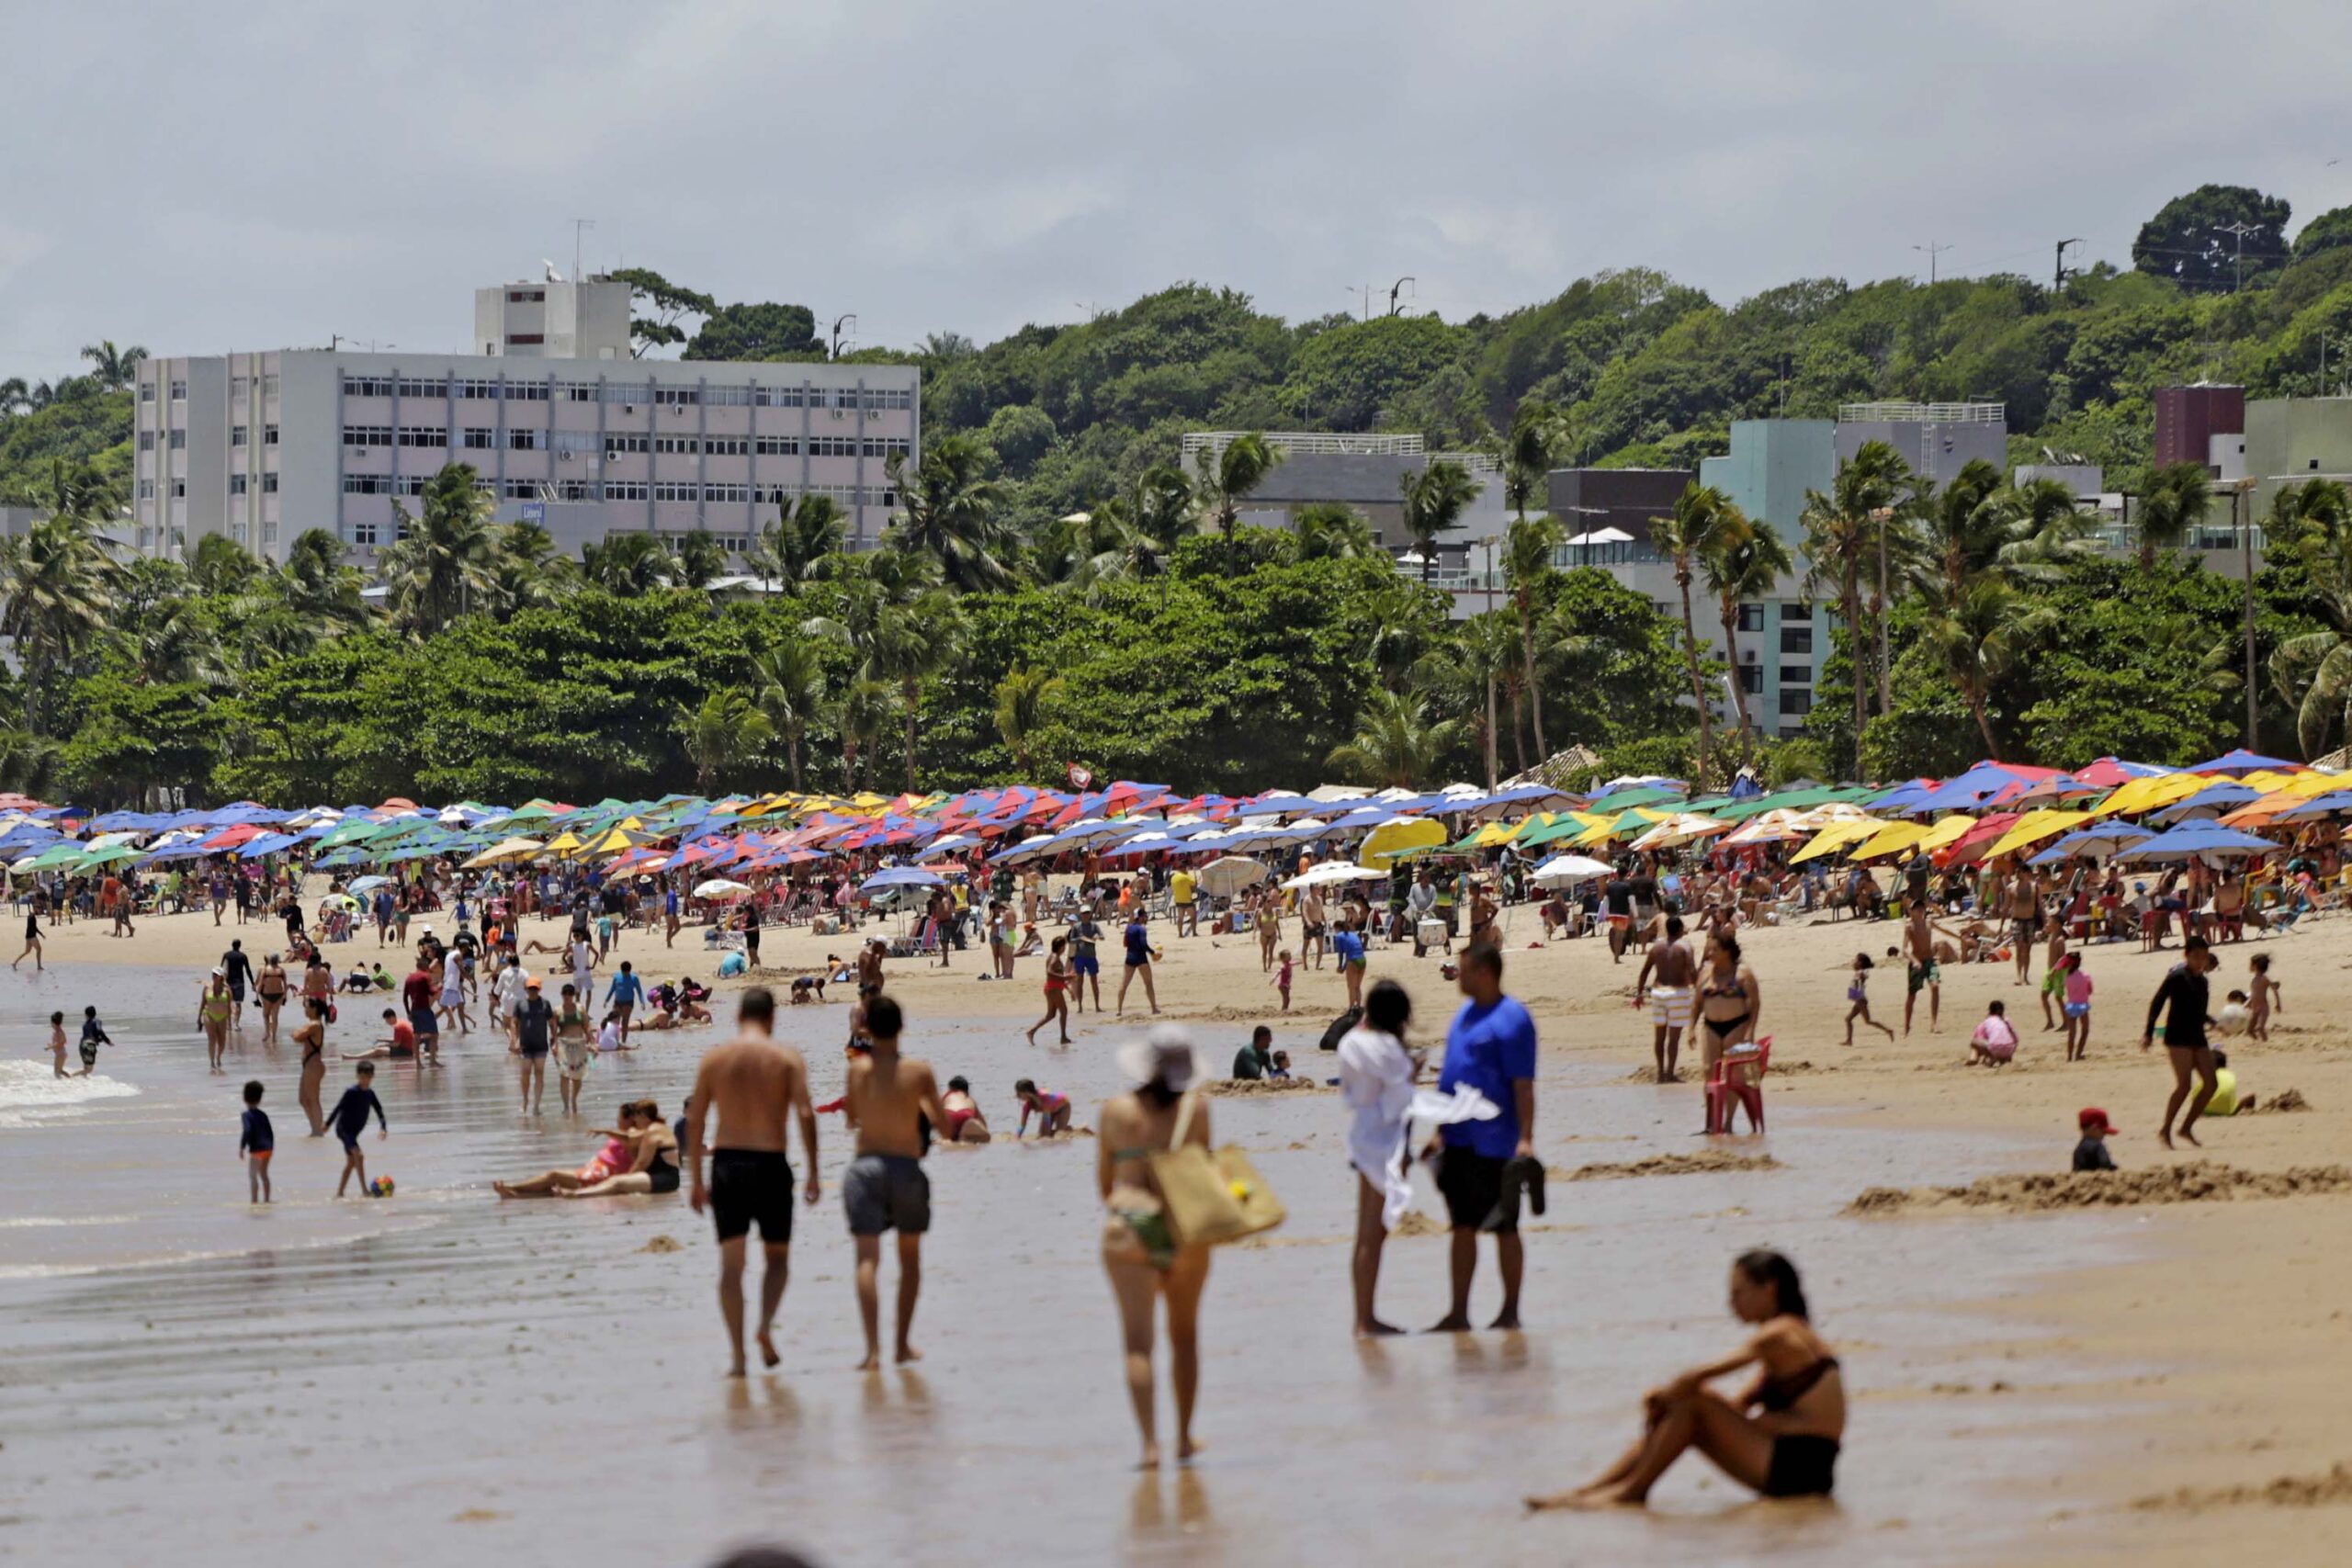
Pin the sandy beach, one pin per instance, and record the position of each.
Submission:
(2034, 1378)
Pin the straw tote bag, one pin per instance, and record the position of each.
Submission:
(1211, 1197)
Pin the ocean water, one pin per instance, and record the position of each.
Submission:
(441, 1375)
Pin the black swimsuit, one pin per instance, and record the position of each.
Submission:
(662, 1173)
(1803, 1465)
(1724, 1028)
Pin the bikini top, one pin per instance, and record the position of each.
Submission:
(1781, 1394)
(1735, 988)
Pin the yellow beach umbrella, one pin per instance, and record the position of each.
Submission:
(567, 843)
(1889, 839)
(1837, 836)
(2148, 793)
(1947, 832)
(502, 851)
(2034, 826)
(1683, 828)
(1384, 844)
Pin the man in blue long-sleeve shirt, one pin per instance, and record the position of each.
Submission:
(350, 1118)
(626, 992)
(2185, 992)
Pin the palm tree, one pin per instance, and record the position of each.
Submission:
(701, 560)
(629, 565)
(864, 709)
(2313, 522)
(725, 729)
(1226, 477)
(526, 572)
(2173, 500)
(1022, 700)
(1528, 551)
(951, 510)
(1702, 519)
(318, 587)
(1129, 538)
(1483, 665)
(914, 643)
(441, 569)
(1840, 530)
(1435, 500)
(1536, 429)
(171, 640)
(805, 531)
(1398, 745)
(1747, 562)
(57, 580)
(789, 686)
(1395, 626)
(113, 367)
(1332, 530)
(15, 397)
(221, 565)
(1979, 635)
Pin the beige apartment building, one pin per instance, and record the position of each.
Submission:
(262, 447)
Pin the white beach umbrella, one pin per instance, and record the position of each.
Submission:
(719, 890)
(1224, 878)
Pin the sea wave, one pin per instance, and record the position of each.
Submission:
(32, 1093)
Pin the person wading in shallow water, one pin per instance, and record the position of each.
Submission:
(884, 1189)
(1490, 1046)
(1667, 976)
(753, 1084)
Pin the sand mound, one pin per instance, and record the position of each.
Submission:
(2198, 1181)
(663, 1244)
(1713, 1160)
(1228, 1087)
(2285, 1099)
(2283, 1492)
(1418, 1224)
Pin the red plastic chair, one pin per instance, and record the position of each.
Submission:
(1725, 1092)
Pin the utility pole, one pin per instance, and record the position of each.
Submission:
(1363, 293)
(2059, 281)
(2241, 495)
(850, 317)
(2237, 263)
(1395, 289)
(578, 225)
(1933, 250)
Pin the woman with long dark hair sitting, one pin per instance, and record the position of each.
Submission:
(1786, 1448)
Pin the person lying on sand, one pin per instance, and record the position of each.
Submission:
(618, 1155)
(1788, 1447)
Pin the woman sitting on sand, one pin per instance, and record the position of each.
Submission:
(1787, 1448)
(964, 1123)
(620, 1155)
(655, 1168)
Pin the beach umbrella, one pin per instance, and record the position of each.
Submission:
(1686, 828)
(2098, 842)
(2112, 773)
(2210, 801)
(718, 890)
(113, 854)
(2328, 804)
(507, 849)
(1332, 872)
(1395, 837)
(1331, 794)
(902, 876)
(1837, 836)
(368, 884)
(1567, 870)
(2034, 826)
(2197, 839)
(1973, 839)
(1892, 838)
(2242, 761)
(2147, 793)
(1223, 878)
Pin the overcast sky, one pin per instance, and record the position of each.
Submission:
(204, 177)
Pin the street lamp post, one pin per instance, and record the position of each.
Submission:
(2242, 502)
(1881, 516)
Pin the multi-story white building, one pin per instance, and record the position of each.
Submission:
(262, 447)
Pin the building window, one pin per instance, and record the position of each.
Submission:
(578, 490)
(616, 444)
(727, 397)
(679, 397)
(628, 392)
(629, 490)
(237, 434)
(179, 440)
(179, 490)
(726, 446)
(367, 386)
(672, 491)
(479, 391)
(883, 446)
(1751, 616)
(236, 484)
(146, 392)
(779, 446)
(578, 391)
(367, 484)
(269, 435)
(413, 387)
(778, 397)
(146, 441)
(146, 490)
(522, 490)
(685, 445)
(514, 338)
(1796, 638)
(523, 439)
(481, 437)
(270, 386)
(423, 435)
(409, 484)
(833, 446)
(366, 436)
(1751, 678)
(269, 483)
(526, 295)
(363, 532)
(526, 392)
(179, 394)
(727, 493)
(1796, 675)
(238, 386)
(877, 399)
(1796, 702)
(269, 530)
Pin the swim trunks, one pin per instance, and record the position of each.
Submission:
(748, 1187)
(1802, 1467)
(883, 1193)
(1923, 975)
(1670, 1007)
(1472, 1185)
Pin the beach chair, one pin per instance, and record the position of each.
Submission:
(1738, 1081)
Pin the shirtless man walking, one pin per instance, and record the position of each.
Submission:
(1676, 971)
(753, 1084)
(1921, 972)
(885, 1187)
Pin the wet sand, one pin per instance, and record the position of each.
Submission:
(443, 1373)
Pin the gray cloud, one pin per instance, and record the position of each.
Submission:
(204, 177)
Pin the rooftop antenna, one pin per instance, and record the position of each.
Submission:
(578, 225)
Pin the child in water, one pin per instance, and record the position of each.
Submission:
(57, 1041)
(1051, 1110)
(1857, 994)
(1284, 970)
(2076, 1007)
(257, 1141)
(94, 1035)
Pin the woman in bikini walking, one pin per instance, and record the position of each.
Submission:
(1730, 996)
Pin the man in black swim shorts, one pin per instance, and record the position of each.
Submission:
(753, 1084)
